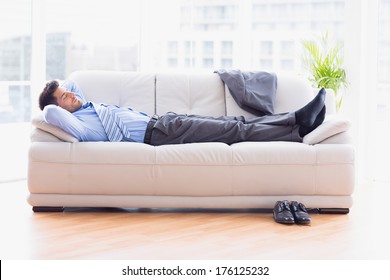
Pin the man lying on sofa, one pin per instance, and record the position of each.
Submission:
(66, 108)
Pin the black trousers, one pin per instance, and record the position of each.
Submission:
(179, 129)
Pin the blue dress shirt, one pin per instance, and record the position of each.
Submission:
(85, 125)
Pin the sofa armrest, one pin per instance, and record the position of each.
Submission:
(39, 135)
(332, 126)
(55, 132)
(340, 138)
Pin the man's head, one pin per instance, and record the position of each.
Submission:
(54, 94)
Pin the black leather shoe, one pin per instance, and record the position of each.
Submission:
(282, 213)
(300, 213)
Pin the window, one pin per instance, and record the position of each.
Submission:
(266, 64)
(203, 34)
(287, 64)
(208, 48)
(188, 48)
(227, 48)
(173, 48)
(287, 48)
(266, 48)
(226, 63)
(129, 35)
(383, 94)
(15, 59)
(208, 62)
(91, 35)
(259, 30)
(172, 62)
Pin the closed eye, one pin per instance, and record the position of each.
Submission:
(64, 95)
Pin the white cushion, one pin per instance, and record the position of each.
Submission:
(199, 94)
(330, 127)
(330, 101)
(125, 89)
(293, 92)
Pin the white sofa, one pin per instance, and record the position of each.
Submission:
(63, 172)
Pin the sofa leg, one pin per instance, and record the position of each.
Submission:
(333, 210)
(47, 209)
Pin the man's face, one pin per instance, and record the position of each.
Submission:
(67, 100)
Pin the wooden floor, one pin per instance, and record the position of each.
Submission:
(190, 235)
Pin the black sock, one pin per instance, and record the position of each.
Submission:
(308, 114)
(304, 130)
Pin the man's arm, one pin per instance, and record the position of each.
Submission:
(64, 120)
(73, 87)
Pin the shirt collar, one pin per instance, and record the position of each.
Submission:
(86, 105)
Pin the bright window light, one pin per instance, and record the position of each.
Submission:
(170, 35)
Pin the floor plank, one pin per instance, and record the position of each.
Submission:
(191, 235)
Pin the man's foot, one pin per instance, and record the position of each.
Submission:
(304, 130)
(307, 115)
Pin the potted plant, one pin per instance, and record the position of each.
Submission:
(325, 65)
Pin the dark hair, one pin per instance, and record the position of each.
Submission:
(46, 97)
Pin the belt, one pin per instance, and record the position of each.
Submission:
(149, 129)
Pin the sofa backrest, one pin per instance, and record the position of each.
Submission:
(189, 93)
(198, 94)
(206, 94)
(126, 89)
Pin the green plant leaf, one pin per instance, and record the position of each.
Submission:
(325, 65)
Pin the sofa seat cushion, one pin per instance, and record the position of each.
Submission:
(202, 169)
